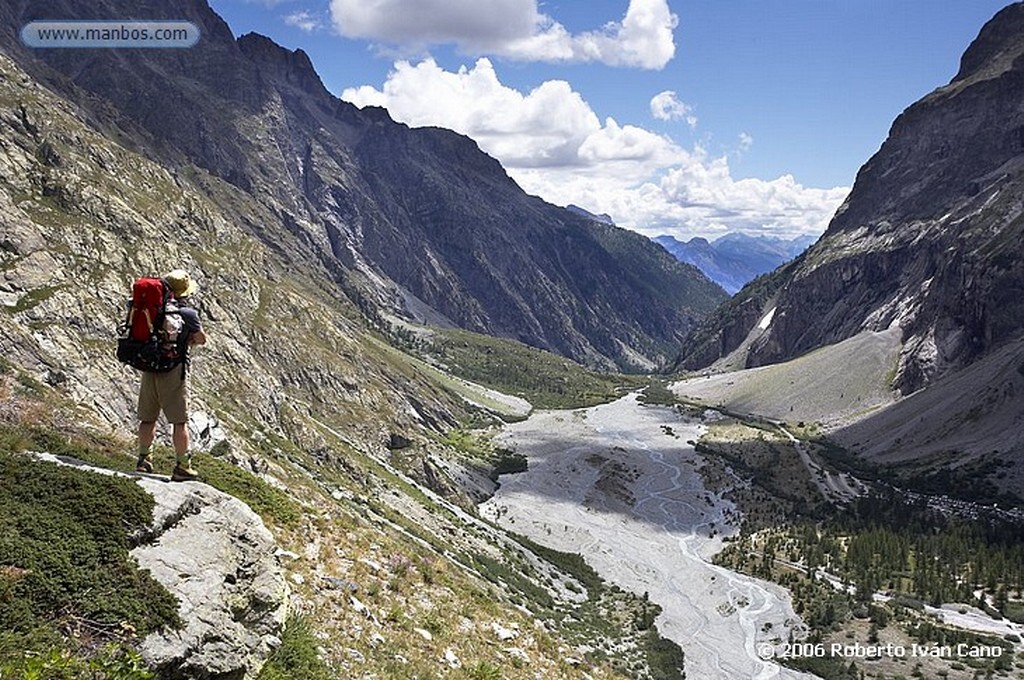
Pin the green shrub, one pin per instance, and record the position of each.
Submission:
(64, 563)
(571, 563)
(112, 662)
(507, 462)
(664, 657)
(657, 394)
(52, 664)
(483, 670)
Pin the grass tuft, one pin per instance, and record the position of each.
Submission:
(297, 657)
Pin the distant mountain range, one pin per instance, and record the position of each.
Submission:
(732, 260)
(735, 259)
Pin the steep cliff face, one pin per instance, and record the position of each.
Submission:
(401, 219)
(930, 236)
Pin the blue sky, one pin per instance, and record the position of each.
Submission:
(689, 117)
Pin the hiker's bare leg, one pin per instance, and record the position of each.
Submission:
(147, 433)
(180, 439)
(183, 471)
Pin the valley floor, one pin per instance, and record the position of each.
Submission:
(619, 484)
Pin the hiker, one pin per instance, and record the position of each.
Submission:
(168, 391)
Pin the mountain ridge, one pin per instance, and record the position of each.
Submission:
(924, 240)
(387, 209)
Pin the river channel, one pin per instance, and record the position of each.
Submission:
(620, 484)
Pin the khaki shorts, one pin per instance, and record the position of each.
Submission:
(164, 391)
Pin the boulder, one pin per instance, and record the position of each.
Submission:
(205, 430)
(216, 556)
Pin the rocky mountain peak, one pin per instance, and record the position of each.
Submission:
(998, 41)
(282, 65)
(942, 149)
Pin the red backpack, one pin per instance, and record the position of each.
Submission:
(144, 343)
(149, 295)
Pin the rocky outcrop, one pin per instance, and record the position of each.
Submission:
(930, 237)
(214, 554)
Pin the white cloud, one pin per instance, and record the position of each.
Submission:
(614, 143)
(424, 22)
(543, 127)
(304, 20)
(696, 197)
(667, 106)
(512, 28)
(746, 141)
(552, 142)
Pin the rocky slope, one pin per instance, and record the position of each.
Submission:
(342, 443)
(83, 215)
(929, 238)
(415, 222)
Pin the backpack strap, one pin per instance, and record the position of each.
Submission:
(126, 329)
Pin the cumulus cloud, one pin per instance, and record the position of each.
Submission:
(666, 106)
(512, 28)
(696, 197)
(705, 192)
(544, 127)
(554, 145)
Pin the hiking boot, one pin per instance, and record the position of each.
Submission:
(184, 473)
(144, 464)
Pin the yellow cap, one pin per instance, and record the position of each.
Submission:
(181, 283)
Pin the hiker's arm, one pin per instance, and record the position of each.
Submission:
(193, 327)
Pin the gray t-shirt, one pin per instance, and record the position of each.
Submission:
(189, 324)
